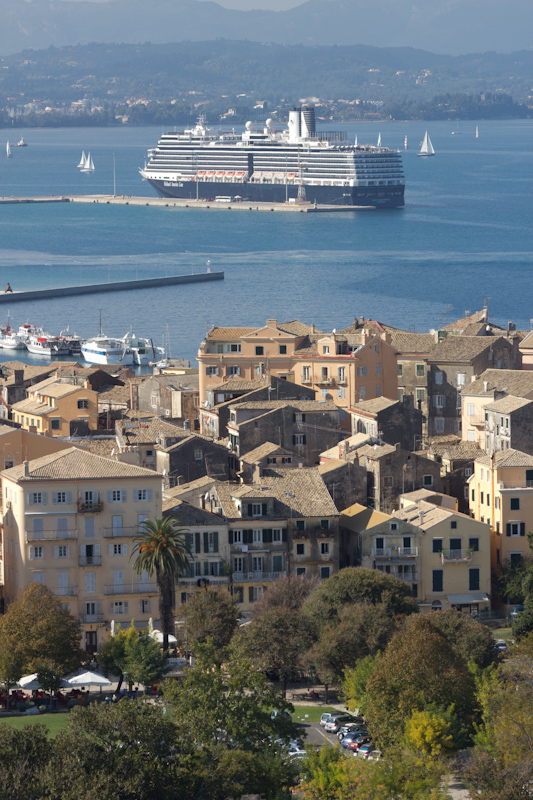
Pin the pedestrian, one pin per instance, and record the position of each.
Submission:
(8, 289)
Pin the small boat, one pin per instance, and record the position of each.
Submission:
(9, 154)
(88, 166)
(82, 160)
(73, 342)
(46, 345)
(405, 143)
(107, 350)
(21, 143)
(379, 140)
(12, 341)
(427, 148)
(477, 132)
(144, 350)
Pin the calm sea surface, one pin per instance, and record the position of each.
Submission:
(465, 234)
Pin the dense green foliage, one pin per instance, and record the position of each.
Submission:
(211, 614)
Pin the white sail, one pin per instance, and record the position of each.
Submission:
(89, 165)
(379, 139)
(355, 143)
(477, 132)
(405, 143)
(8, 151)
(82, 160)
(427, 148)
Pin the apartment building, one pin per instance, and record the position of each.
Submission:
(491, 385)
(357, 363)
(391, 420)
(69, 518)
(501, 495)
(56, 408)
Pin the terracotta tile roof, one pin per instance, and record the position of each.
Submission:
(188, 515)
(297, 328)
(376, 450)
(515, 382)
(200, 483)
(148, 430)
(461, 324)
(331, 465)
(31, 406)
(431, 515)
(229, 334)
(358, 518)
(236, 385)
(114, 395)
(461, 348)
(299, 405)
(77, 464)
(406, 343)
(462, 451)
(507, 458)
(435, 498)
(375, 405)
(351, 444)
(107, 447)
(261, 452)
(56, 389)
(527, 340)
(508, 404)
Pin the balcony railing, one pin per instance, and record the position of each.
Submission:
(409, 577)
(212, 579)
(66, 591)
(239, 577)
(407, 552)
(456, 556)
(50, 535)
(523, 485)
(129, 588)
(90, 561)
(395, 552)
(90, 508)
(381, 552)
(306, 533)
(120, 533)
(88, 619)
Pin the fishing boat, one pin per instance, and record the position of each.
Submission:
(9, 154)
(44, 344)
(82, 160)
(21, 143)
(89, 165)
(427, 148)
(73, 342)
(9, 340)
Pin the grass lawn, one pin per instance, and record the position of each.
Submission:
(54, 722)
(310, 713)
(502, 633)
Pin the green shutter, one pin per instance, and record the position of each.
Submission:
(522, 529)
(230, 537)
(264, 509)
(215, 542)
(304, 438)
(206, 542)
(508, 529)
(197, 542)
(251, 594)
(284, 535)
(267, 535)
(250, 509)
(303, 417)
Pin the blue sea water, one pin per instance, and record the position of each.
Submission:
(465, 234)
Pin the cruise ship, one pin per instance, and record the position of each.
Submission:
(297, 164)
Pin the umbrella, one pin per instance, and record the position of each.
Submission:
(88, 679)
(158, 636)
(31, 682)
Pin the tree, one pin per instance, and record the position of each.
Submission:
(49, 675)
(113, 656)
(289, 592)
(144, 662)
(418, 669)
(162, 547)
(37, 627)
(24, 755)
(275, 641)
(355, 680)
(429, 732)
(468, 637)
(212, 614)
(357, 585)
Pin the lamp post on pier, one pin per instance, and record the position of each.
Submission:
(114, 178)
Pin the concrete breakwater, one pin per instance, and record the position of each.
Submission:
(112, 286)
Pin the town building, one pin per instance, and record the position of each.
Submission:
(491, 385)
(69, 521)
(391, 420)
(57, 408)
(266, 455)
(509, 424)
(173, 396)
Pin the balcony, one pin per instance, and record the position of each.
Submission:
(342, 380)
(90, 508)
(120, 533)
(523, 485)
(407, 577)
(239, 577)
(211, 579)
(88, 619)
(129, 588)
(308, 533)
(324, 380)
(381, 552)
(407, 552)
(455, 556)
(50, 535)
(395, 552)
(306, 379)
(90, 561)
(66, 591)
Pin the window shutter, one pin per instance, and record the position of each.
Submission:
(30, 498)
(249, 509)
(304, 439)
(96, 549)
(206, 567)
(123, 495)
(508, 529)
(83, 551)
(294, 417)
(206, 542)
(111, 549)
(109, 496)
(267, 535)
(54, 498)
(294, 438)
(215, 542)
(56, 551)
(245, 537)
(149, 494)
(197, 542)
(44, 495)
(522, 529)
(68, 550)
(251, 594)
(32, 553)
(111, 608)
(69, 497)
(264, 509)
(284, 535)
(126, 607)
(125, 549)
(230, 537)
(303, 417)
(136, 493)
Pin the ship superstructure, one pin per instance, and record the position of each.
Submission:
(291, 165)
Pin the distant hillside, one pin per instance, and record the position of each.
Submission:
(442, 26)
(222, 71)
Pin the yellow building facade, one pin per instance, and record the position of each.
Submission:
(51, 407)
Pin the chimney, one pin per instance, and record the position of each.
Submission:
(26, 469)
(18, 376)
(272, 323)
(485, 386)
(361, 320)
(420, 517)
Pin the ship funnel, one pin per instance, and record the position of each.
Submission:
(308, 122)
(294, 125)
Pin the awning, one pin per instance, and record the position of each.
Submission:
(466, 599)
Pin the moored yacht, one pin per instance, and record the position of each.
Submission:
(107, 350)
(43, 344)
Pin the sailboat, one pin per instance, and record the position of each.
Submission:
(379, 139)
(82, 160)
(88, 166)
(405, 143)
(355, 143)
(477, 132)
(9, 154)
(427, 147)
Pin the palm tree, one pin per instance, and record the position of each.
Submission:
(162, 547)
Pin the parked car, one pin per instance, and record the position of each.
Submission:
(351, 727)
(325, 718)
(516, 611)
(375, 755)
(357, 743)
(335, 724)
(351, 737)
(500, 646)
(364, 751)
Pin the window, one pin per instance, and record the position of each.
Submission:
(514, 503)
(341, 372)
(237, 537)
(438, 377)
(286, 460)
(324, 392)
(301, 570)
(326, 350)
(400, 369)
(387, 481)
(238, 594)
(36, 551)
(298, 417)
(473, 579)
(438, 575)
(378, 389)
(453, 523)
(234, 371)
(516, 560)
(428, 480)
(119, 607)
(420, 371)
(211, 370)
(258, 536)
(116, 496)
(257, 563)
(439, 425)
(118, 549)
(324, 548)
(198, 455)
(362, 371)
(421, 394)
(38, 498)
(516, 529)
(257, 510)
(439, 400)
(437, 546)
(255, 593)
(473, 544)
(83, 403)
(394, 526)
(471, 436)
(142, 494)
(400, 395)
(298, 439)
(90, 582)
(62, 551)
(461, 379)
(488, 499)
(144, 606)
(306, 374)
(324, 572)
(362, 393)
(283, 349)
(259, 350)
(376, 348)
(378, 369)
(38, 577)
(277, 535)
(300, 549)
(271, 460)
(470, 409)
(497, 502)
(238, 564)
(235, 348)
(55, 424)
(61, 497)
(153, 400)
(341, 393)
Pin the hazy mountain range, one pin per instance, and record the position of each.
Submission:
(442, 26)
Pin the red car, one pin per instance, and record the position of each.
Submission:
(356, 744)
